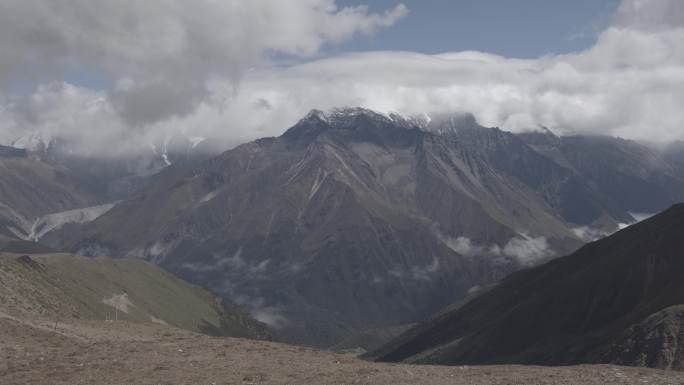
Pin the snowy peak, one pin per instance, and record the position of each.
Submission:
(355, 117)
(451, 123)
(12, 152)
(341, 117)
(34, 142)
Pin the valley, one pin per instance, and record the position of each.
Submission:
(352, 220)
(334, 192)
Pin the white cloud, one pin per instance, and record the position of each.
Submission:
(650, 14)
(589, 234)
(271, 316)
(163, 56)
(528, 250)
(419, 273)
(463, 246)
(171, 41)
(177, 71)
(234, 264)
(525, 249)
(425, 273)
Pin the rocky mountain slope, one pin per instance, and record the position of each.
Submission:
(354, 220)
(632, 178)
(48, 183)
(62, 287)
(31, 188)
(113, 175)
(617, 300)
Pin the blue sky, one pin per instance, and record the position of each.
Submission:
(512, 28)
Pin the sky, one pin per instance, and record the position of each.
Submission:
(112, 76)
(520, 29)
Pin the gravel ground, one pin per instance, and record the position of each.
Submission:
(126, 353)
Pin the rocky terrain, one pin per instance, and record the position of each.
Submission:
(87, 352)
(654, 342)
(616, 300)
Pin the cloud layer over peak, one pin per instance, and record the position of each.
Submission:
(160, 55)
(203, 68)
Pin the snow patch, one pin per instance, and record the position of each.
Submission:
(209, 196)
(55, 221)
(36, 142)
(196, 140)
(317, 183)
(165, 157)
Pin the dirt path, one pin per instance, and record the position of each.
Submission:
(125, 353)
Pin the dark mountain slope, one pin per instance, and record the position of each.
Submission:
(598, 305)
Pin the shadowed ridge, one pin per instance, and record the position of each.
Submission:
(575, 309)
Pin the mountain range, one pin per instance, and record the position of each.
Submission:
(354, 220)
(48, 182)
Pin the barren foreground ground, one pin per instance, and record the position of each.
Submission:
(127, 353)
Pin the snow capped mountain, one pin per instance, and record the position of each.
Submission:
(34, 142)
(312, 229)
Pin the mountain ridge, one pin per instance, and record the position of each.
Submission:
(575, 309)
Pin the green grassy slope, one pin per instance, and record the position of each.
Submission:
(67, 286)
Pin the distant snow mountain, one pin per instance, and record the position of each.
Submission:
(47, 182)
(34, 142)
(353, 220)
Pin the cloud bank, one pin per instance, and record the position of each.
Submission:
(525, 249)
(203, 69)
